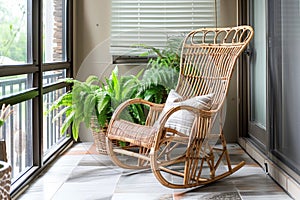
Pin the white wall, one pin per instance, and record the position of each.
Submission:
(92, 25)
(91, 51)
(228, 17)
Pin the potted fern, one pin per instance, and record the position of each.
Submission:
(79, 105)
(96, 103)
(92, 102)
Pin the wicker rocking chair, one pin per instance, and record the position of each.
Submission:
(175, 142)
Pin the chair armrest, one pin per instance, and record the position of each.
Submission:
(153, 107)
(202, 116)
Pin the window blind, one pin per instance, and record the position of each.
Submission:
(151, 22)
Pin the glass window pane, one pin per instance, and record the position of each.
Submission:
(17, 132)
(53, 76)
(14, 84)
(258, 65)
(284, 76)
(289, 143)
(54, 39)
(13, 38)
(52, 136)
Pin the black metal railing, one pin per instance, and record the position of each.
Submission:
(52, 127)
(18, 128)
(13, 85)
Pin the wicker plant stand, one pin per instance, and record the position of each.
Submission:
(5, 182)
(99, 135)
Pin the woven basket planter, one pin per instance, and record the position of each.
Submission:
(99, 135)
(5, 182)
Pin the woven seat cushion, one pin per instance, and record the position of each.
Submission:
(134, 133)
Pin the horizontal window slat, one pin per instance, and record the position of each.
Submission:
(177, 18)
(118, 2)
(165, 7)
(175, 25)
(151, 22)
(142, 12)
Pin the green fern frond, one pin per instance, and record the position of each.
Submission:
(64, 100)
(89, 109)
(166, 77)
(67, 123)
(92, 80)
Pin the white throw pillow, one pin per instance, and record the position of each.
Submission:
(182, 120)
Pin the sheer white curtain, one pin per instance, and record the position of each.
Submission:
(151, 22)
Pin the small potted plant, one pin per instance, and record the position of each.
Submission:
(5, 168)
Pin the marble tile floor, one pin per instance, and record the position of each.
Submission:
(81, 173)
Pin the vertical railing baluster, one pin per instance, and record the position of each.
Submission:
(49, 122)
(53, 136)
(52, 125)
(28, 129)
(11, 138)
(20, 132)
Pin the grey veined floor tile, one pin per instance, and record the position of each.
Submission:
(82, 173)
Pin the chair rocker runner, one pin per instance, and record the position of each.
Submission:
(175, 140)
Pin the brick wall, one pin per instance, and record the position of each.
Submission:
(58, 30)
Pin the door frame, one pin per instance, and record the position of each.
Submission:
(248, 129)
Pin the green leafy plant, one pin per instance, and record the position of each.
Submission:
(94, 98)
(163, 70)
(166, 57)
(122, 88)
(157, 83)
(84, 99)
(66, 110)
(65, 101)
(72, 106)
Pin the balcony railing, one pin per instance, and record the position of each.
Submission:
(18, 129)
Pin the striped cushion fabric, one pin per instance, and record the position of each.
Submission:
(182, 120)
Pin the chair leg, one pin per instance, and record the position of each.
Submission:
(224, 155)
(238, 166)
(194, 168)
(129, 157)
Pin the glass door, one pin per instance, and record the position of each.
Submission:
(273, 80)
(284, 81)
(257, 75)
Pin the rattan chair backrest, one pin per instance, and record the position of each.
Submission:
(208, 58)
